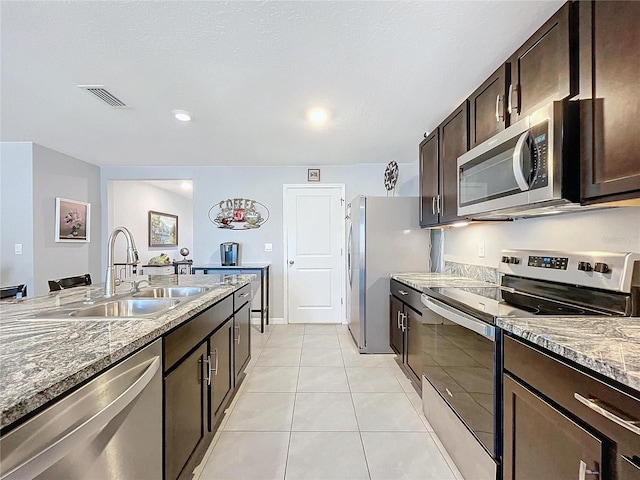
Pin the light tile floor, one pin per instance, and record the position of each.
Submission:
(313, 408)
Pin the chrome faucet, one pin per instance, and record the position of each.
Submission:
(110, 282)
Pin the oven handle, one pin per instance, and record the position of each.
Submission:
(466, 321)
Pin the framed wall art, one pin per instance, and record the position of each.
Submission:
(163, 229)
(73, 221)
(313, 175)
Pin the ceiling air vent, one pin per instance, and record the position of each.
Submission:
(104, 95)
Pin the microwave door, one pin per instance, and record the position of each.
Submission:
(523, 168)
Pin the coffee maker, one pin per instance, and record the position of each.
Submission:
(229, 254)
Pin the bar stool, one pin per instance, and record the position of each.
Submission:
(69, 282)
(17, 291)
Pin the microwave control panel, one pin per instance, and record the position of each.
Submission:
(540, 134)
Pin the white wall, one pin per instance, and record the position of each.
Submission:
(129, 205)
(16, 214)
(263, 184)
(32, 177)
(614, 229)
(59, 175)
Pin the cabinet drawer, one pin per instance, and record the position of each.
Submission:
(407, 294)
(241, 296)
(561, 382)
(179, 342)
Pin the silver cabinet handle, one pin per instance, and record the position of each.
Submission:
(499, 111)
(402, 292)
(215, 354)
(208, 362)
(438, 204)
(582, 471)
(244, 295)
(518, 154)
(598, 407)
(78, 436)
(403, 323)
(398, 319)
(511, 107)
(433, 205)
(237, 329)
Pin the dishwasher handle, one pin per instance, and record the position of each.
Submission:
(462, 319)
(62, 447)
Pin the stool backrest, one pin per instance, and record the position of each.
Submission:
(13, 292)
(69, 282)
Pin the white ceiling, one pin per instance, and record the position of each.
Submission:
(247, 72)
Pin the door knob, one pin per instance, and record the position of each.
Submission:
(291, 262)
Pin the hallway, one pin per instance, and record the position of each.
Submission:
(312, 407)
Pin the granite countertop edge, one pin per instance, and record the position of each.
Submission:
(125, 337)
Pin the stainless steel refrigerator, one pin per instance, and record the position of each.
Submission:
(383, 237)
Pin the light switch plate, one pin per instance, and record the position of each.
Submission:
(18, 249)
(481, 249)
(268, 247)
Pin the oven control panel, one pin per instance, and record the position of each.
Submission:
(559, 263)
(595, 269)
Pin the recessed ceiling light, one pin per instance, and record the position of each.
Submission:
(186, 185)
(318, 116)
(182, 115)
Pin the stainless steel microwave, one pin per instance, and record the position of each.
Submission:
(532, 167)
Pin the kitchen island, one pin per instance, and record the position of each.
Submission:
(43, 358)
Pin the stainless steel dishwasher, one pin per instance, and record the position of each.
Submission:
(110, 428)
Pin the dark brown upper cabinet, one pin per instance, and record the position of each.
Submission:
(454, 141)
(609, 100)
(488, 107)
(429, 185)
(544, 69)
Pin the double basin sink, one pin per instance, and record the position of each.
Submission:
(143, 303)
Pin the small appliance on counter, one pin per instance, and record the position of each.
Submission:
(229, 254)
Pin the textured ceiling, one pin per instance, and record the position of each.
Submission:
(247, 72)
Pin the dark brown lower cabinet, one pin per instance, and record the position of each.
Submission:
(220, 348)
(541, 442)
(396, 335)
(413, 355)
(185, 390)
(242, 340)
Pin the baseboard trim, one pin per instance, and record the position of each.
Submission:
(272, 321)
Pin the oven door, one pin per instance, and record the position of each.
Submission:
(510, 170)
(460, 355)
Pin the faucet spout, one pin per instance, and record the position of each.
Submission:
(132, 258)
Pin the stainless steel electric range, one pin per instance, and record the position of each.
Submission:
(462, 350)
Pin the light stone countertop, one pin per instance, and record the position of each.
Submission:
(41, 359)
(607, 345)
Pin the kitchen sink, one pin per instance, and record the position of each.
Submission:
(171, 292)
(126, 308)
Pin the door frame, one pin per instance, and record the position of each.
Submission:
(286, 188)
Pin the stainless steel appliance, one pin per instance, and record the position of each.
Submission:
(383, 237)
(111, 428)
(462, 352)
(527, 169)
(229, 254)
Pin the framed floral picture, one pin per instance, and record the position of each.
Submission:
(163, 229)
(313, 175)
(73, 221)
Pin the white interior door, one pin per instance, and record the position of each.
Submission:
(314, 261)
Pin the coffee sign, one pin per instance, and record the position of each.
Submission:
(238, 214)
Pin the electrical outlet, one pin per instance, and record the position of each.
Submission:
(481, 249)
(268, 247)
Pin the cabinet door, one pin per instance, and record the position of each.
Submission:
(222, 373)
(541, 70)
(488, 107)
(185, 391)
(540, 441)
(429, 180)
(609, 99)
(241, 338)
(395, 332)
(454, 136)
(414, 342)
